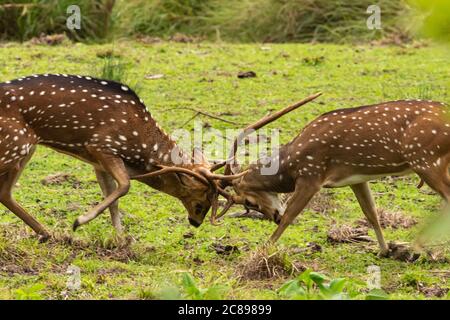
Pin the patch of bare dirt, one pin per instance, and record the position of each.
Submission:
(309, 249)
(432, 291)
(396, 39)
(402, 252)
(251, 214)
(183, 38)
(49, 39)
(60, 178)
(56, 179)
(13, 258)
(246, 74)
(348, 234)
(16, 259)
(394, 220)
(268, 264)
(149, 39)
(224, 249)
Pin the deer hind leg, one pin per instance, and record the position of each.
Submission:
(108, 185)
(437, 178)
(367, 204)
(8, 180)
(297, 202)
(114, 166)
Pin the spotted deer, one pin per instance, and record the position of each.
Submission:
(349, 147)
(105, 124)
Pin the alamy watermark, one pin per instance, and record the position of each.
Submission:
(374, 20)
(373, 277)
(215, 144)
(74, 278)
(73, 21)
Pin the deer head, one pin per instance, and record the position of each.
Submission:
(194, 184)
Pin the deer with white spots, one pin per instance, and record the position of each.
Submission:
(105, 124)
(349, 147)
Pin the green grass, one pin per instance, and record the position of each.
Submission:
(203, 76)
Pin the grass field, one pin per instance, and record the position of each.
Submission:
(164, 245)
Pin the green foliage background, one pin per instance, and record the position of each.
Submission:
(232, 20)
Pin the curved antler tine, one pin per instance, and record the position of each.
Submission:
(214, 206)
(166, 169)
(217, 166)
(230, 177)
(228, 205)
(259, 124)
(223, 193)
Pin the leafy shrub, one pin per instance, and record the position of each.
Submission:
(189, 290)
(30, 293)
(160, 17)
(302, 20)
(313, 285)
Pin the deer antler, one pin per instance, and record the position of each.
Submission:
(257, 125)
(166, 169)
(206, 177)
(231, 158)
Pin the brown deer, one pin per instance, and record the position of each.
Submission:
(349, 147)
(105, 124)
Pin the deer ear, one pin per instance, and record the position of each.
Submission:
(184, 179)
(236, 168)
(199, 157)
(188, 181)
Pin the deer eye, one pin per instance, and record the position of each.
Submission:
(198, 209)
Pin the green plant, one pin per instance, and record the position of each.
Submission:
(29, 293)
(377, 294)
(192, 291)
(188, 289)
(314, 285)
(114, 68)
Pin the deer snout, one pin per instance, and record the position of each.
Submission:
(194, 223)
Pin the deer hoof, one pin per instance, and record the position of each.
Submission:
(402, 252)
(384, 253)
(75, 225)
(277, 218)
(42, 238)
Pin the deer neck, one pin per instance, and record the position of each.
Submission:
(161, 149)
(277, 181)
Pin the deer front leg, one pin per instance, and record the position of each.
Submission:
(8, 180)
(362, 193)
(108, 185)
(297, 202)
(116, 168)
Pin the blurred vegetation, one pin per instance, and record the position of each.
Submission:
(434, 18)
(23, 19)
(233, 20)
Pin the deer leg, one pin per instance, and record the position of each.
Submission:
(108, 185)
(438, 180)
(9, 179)
(296, 203)
(367, 204)
(115, 167)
